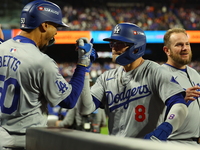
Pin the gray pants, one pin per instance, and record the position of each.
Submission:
(10, 140)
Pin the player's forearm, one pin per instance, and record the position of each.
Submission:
(86, 104)
(177, 112)
(175, 118)
(76, 82)
(177, 115)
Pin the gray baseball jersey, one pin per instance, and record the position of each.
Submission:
(25, 74)
(191, 126)
(135, 100)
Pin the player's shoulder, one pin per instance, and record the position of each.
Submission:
(154, 67)
(46, 62)
(150, 62)
(112, 71)
(150, 65)
(190, 69)
(169, 67)
(3, 42)
(110, 74)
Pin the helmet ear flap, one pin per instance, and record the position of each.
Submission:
(129, 33)
(130, 55)
(136, 50)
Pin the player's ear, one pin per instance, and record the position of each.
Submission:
(166, 50)
(43, 27)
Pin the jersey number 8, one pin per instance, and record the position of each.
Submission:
(140, 113)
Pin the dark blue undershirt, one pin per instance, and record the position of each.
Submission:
(184, 70)
(77, 82)
(23, 39)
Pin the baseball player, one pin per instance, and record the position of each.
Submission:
(179, 54)
(74, 120)
(29, 79)
(136, 93)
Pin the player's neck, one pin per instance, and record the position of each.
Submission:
(134, 64)
(176, 65)
(33, 35)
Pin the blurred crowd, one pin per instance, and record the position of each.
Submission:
(105, 14)
(149, 16)
(67, 69)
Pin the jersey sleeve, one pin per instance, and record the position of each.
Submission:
(97, 90)
(166, 84)
(54, 86)
(69, 118)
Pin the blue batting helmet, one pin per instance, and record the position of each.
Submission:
(129, 33)
(39, 11)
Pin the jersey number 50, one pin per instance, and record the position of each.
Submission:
(10, 92)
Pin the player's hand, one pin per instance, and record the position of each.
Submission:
(192, 93)
(161, 132)
(84, 48)
(93, 57)
(57, 123)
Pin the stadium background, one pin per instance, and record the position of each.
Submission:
(10, 12)
(102, 15)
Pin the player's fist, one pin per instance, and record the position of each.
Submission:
(93, 57)
(161, 132)
(84, 48)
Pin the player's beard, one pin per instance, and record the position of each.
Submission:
(179, 60)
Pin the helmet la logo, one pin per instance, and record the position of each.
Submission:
(117, 29)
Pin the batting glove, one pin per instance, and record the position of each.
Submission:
(161, 132)
(84, 50)
(93, 57)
